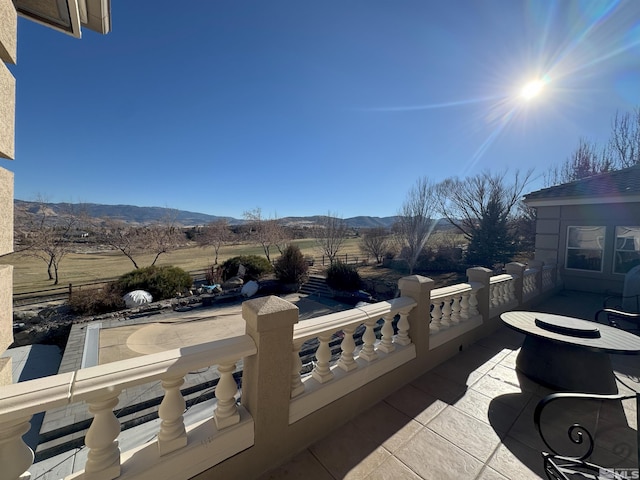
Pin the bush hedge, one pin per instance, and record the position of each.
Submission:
(341, 276)
(161, 282)
(292, 266)
(96, 302)
(255, 267)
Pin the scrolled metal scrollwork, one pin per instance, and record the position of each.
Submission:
(556, 465)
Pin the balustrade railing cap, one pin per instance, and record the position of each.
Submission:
(269, 313)
(33, 396)
(416, 283)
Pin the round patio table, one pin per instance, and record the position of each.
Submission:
(567, 353)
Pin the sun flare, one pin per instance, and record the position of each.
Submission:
(532, 89)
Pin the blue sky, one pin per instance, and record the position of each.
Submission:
(301, 108)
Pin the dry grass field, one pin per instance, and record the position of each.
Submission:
(30, 274)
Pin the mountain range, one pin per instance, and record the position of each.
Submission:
(148, 215)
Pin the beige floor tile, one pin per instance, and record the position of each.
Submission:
(384, 424)
(512, 377)
(517, 461)
(415, 403)
(463, 374)
(433, 457)
(479, 355)
(392, 469)
(496, 414)
(490, 474)
(440, 387)
(347, 453)
(468, 433)
(304, 466)
(502, 391)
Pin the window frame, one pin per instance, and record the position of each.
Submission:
(616, 249)
(602, 248)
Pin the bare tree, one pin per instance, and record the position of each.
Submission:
(330, 234)
(481, 207)
(50, 237)
(586, 160)
(376, 242)
(134, 241)
(163, 237)
(127, 239)
(621, 151)
(266, 232)
(415, 222)
(624, 143)
(215, 234)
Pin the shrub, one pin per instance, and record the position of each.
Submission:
(161, 282)
(255, 267)
(291, 267)
(95, 302)
(213, 274)
(341, 276)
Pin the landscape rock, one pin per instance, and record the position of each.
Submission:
(233, 282)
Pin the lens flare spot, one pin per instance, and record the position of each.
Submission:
(532, 89)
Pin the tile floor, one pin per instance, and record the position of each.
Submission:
(469, 418)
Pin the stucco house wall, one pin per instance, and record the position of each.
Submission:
(8, 40)
(608, 201)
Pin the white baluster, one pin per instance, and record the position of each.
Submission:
(386, 342)
(172, 435)
(15, 456)
(369, 338)
(464, 306)
(297, 387)
(493, 290)
(322, 373)
(348, 346)
(402, 338)
(455, 310)
(226, 412)
(473, 303)
(504, 290)
(436, 316)
(445, 321)
(103, 459)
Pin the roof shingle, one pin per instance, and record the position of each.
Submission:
(617, 183)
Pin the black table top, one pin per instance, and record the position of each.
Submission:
(573, 331)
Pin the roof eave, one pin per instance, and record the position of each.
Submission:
(591, 200)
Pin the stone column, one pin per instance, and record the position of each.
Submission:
(482, 275)
(266, 380)
(515, 268)
(8, 42)
(419, 288)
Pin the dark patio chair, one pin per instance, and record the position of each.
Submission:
(621, 312)
(567, 467)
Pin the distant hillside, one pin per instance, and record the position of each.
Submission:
(147, 215)
(125, 213)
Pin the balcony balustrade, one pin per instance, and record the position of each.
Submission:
(281, 409)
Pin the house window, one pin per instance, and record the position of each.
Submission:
(585, 246)
(627, 249)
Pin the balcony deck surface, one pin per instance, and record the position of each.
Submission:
(472, 418)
